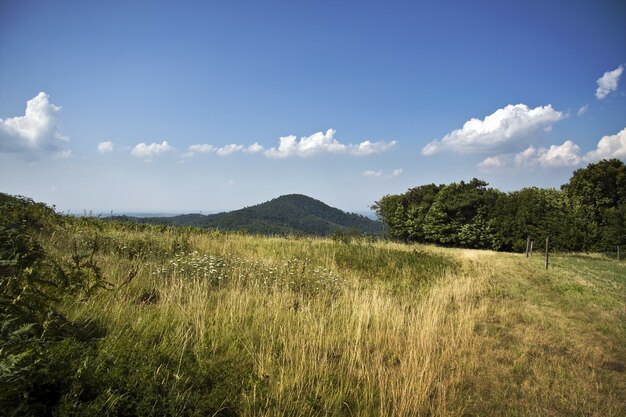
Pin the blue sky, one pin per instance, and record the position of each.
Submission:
(369, 98)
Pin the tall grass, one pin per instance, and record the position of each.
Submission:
(207, 323)
(270, 327)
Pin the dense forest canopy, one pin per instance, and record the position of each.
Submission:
(587, 213)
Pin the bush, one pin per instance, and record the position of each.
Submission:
(32, 329)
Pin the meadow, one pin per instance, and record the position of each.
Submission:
(155, 320)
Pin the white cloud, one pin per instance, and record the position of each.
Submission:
(289, 146)
(568, 154)
(608, 82)
(610, 146)
(380, 174)
(565, 155)
(254, 148)
(229, 149)
(506, 128)
(583, 109)
(320, 142)
(369, 148)
(556, 156)
(201, 148)
(36, 130)
(104, 147)
(224, 150)
(493, 162)
(376, 174)
(145, 151)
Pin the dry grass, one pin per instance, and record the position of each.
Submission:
(306, 334)
(542, 350)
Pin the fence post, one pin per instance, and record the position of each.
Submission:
(527, 246)
(547, 255)
(531, 247)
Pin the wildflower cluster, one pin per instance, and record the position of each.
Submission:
(296, 274)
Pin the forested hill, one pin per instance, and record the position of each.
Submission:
(586, 214)
(293, 213)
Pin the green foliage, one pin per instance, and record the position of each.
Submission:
(589, 213)
(392, 211)
(31, 325)
(284, 215)
(392, 265)
(132, 373)
(599, 191)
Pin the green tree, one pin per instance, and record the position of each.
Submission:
(599, 194)
(391, 211)
(459, 215)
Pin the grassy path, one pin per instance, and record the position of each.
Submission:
(551, 343)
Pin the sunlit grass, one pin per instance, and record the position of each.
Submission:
(228, 324)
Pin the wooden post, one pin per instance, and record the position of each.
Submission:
(531, 247)
(547, 255)
(527, 246)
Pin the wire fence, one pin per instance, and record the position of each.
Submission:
(615, 252)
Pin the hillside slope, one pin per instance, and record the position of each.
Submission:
(292, 213)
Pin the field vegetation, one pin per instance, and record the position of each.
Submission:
(113, 318)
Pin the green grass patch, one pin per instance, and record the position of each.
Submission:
(374, 262)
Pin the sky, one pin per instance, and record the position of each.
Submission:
(201, 106)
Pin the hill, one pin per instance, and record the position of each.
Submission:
(292, 213)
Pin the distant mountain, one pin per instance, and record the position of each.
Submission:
(293, 213)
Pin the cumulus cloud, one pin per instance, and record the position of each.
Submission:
(320, 142)
(565, 155)
(380, 174)
(608, 82)
(493, 162)
(254, 148)
(224, 150)
(610, 146)
(506, 128)
(201, 148)
(154, 149)
(556, 156)
(317, 143)
(368, 148)
(583, 109)
(35, 131)
(229, 149)
(568, 154)
(104, 147)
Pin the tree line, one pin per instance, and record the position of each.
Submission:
(586, 214)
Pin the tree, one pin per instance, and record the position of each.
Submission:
(391, 211)
(599, 194)
(588, 213)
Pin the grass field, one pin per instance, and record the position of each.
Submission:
(208, 323)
